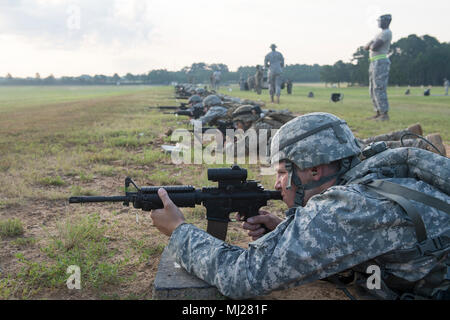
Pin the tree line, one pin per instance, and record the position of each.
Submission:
(414, 61)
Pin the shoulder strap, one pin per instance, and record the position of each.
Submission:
(401, 194)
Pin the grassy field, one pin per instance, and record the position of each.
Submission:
(56, 142)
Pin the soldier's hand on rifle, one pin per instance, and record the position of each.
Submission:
(168, 219)
(255, 224)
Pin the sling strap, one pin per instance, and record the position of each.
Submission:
(402, 195)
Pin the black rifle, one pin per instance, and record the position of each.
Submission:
(191, 112)
(234, 194)
(221, 125)
(182, 106)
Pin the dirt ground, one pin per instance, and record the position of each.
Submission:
(41, 217)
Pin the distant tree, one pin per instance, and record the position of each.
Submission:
(116, 78)
(130, 77)
(419, 61)
(341, 72)
(50, 79)
(360, 70)
(327, 74)
(37, 76)
(9, 76)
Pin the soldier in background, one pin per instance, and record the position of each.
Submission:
(258, 79)
(217, 77)
(213, 109)
(241, 82)
(289, 86)
(342, 219)
(251, 82)
(446, 85)
(252, 117)
(274, 61)
(211, 81)
(379, 68)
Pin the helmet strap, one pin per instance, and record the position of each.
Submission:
(300, 192)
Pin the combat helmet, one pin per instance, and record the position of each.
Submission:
(194, 99)
(311, 140)
(246, 113)
(212, 100)
(200, 91)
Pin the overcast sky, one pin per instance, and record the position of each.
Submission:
(77, 37)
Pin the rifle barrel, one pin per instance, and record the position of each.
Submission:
(85, 199)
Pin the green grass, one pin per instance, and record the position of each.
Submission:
(15, 97)
(11, 228)
(58, 142)
(80, 242)
(52, 181)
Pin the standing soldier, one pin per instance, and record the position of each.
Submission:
(379, 68)
(289, 86)
(251, 82)
(274, 60)
(217, 75)
(446, 84)
(211, 80)
(258, 79)
(242, 82)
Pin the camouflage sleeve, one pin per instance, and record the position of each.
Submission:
(213, 114)
(338, 229)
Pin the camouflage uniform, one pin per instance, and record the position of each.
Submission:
(379, 68)
(241, 83)
(289, 86)
(378, 81)
(215, 110)
(274, 60)
(266, 120)
(258, 80)
(251, 82)
(346, 226)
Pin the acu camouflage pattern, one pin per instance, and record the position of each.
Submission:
(258, 80)
(212, 100)
(322, 147)
(272, 120)
(245, 113)
(378, 82)
(213, 114)
(344, 227)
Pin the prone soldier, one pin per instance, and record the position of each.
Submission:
(345, 217)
